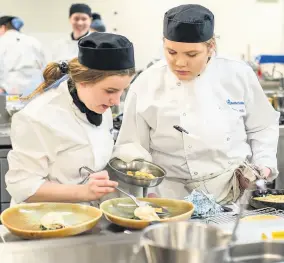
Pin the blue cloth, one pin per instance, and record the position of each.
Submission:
(204, 205)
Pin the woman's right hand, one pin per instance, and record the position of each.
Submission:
(99, 185)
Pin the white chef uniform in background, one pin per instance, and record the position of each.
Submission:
(80, 17)
(22, 61)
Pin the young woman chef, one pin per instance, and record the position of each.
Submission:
(80, 17)
(217, 100)
(66, 127)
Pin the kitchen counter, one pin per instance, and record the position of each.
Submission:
(103, 229)
(116, 248)
(106, 243)
(99, 245)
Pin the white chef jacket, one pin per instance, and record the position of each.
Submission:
(22, 61)
(65, 49)
(225, 111)
(51, 140)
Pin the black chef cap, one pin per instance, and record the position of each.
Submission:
(80, 8)
(6, 19)
(106, 51)
(189, 23)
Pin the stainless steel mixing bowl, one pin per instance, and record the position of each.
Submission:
(119, 168)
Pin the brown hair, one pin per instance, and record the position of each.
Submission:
(9, 26)
(77, 73)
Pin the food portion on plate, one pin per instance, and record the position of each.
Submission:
(52, 221)
(141, 175)
(146, 213)
(271, 198)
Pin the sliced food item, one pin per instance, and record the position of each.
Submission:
(146, 213)
(52, 221)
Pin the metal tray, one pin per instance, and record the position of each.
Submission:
(261, 204)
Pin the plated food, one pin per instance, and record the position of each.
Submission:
(49, 220)
(122, 212)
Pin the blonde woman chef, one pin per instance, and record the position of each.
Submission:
(68, 124)
(218, 100)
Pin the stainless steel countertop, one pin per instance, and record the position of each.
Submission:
(101, 244)
(80, 249)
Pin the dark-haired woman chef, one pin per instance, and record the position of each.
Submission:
(230, 129)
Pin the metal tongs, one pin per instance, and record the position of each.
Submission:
(228, 257)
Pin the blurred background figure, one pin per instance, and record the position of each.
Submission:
(80, 17)
(97, 23)
(21, 58)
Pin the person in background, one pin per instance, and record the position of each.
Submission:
(22, 58)
(67, 124)
(97, 23)
(80, 17)
(226, 132)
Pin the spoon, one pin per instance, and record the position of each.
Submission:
(137, 202)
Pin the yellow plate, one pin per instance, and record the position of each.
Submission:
(180, 210)
(23, 220)
(260, 217)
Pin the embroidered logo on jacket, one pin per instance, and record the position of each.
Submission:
(229, 102)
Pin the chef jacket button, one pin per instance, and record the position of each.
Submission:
(178, 84)
(228, 138)
(196, 173)
(229, 162)
(189, 146)
(184, 114)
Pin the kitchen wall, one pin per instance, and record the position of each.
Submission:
(245, 27)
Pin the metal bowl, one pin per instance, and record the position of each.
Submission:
(119, 168)
(182, 241)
